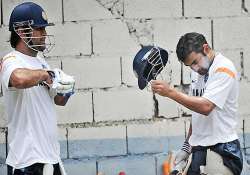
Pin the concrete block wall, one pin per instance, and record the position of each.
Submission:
(3, 147)
(109, 125)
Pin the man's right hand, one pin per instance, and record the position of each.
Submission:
(184, 153)
(48, 78)
(181, 156)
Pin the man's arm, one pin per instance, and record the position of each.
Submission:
(25, 78)
(64, 87)
(196, 104)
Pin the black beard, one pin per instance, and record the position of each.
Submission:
(202, 71)
(38, 48)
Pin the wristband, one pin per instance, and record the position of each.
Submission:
(186, 147)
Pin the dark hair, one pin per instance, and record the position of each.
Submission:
(190, 42)
(14, 39)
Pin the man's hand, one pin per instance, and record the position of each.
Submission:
(161, 87)
(184, 153)
(62, 87)
(46, 78)
(180, 162)
(181, 158)
(63, 84)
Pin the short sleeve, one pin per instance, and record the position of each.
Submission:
(8, 65)
(219, 86)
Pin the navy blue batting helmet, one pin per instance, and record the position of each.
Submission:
(148, 63)
(28, 14)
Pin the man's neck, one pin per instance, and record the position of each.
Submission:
(26, 50)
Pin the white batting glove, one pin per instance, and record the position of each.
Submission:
(181, 158)
(184, 153)
(63, 84)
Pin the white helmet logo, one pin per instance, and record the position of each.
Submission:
(44, 16)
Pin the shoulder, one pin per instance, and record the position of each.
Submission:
(224, 65)
(10, 56)
(14, 55)
(11, 60)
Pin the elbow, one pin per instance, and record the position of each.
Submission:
(206, 107)
(207, 110)
(206, 113)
